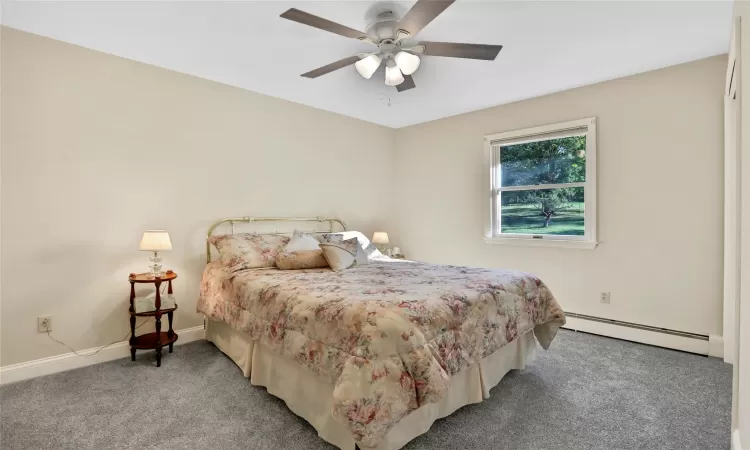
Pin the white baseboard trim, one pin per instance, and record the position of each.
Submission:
(736, 440)
(643, 336)
(715, 346)
(68, 361)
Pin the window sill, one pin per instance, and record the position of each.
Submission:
(555, 243)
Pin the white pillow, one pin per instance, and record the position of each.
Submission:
(301, 241)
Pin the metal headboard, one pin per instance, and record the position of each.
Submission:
(233, 220)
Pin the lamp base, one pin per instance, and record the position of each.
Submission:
(384, 249)
(155, 268)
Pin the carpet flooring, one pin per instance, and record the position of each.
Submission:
(586, 392)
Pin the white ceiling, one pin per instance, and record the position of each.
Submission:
(548, 47)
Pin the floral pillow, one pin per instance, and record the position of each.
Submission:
(248, 251)
(366, 251)
(341, 255)
(302, 252)
(329, 237)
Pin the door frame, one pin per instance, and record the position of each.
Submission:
(732, 211)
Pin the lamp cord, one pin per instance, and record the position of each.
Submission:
(49, 335)
(100, 348)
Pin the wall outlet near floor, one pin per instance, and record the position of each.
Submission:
(44, 324)
(605, 297)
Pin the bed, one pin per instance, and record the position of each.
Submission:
(372, 356)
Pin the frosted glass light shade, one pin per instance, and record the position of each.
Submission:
(407, 62)
(367, 66)
(393, 76)
(155, 241)
(380, 238)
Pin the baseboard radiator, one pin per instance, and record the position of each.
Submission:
(638, 326)
(700, 344)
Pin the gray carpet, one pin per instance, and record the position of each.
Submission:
(587, 392)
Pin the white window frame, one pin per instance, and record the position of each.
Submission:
(588, 240)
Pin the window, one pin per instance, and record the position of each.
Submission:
(543, 185)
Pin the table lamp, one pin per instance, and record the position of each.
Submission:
(155, 241)
(380, 239)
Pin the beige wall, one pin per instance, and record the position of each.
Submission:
(97, 148)
(660, 163)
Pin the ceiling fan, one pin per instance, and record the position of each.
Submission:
(388, 32)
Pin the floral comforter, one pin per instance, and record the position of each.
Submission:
(390, 334)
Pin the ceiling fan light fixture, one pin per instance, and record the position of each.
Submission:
(407, 63)
(393, 76)
(393, 34)
(367, 66)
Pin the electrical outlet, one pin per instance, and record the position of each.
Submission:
(44, 324)
(605, 297)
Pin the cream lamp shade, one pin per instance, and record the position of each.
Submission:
(380, 237)
(406, 62)
(367, 66)
(155, 241)
(393, 76)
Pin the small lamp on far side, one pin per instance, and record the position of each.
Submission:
(155, 241)
(380, 239)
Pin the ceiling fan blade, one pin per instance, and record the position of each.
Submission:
(456, 50)
(422, 13)
(331, 67)
(314, 21)
(407, 84)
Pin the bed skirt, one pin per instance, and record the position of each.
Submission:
(311, 397)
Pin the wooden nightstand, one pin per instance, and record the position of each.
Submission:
(139, 308)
